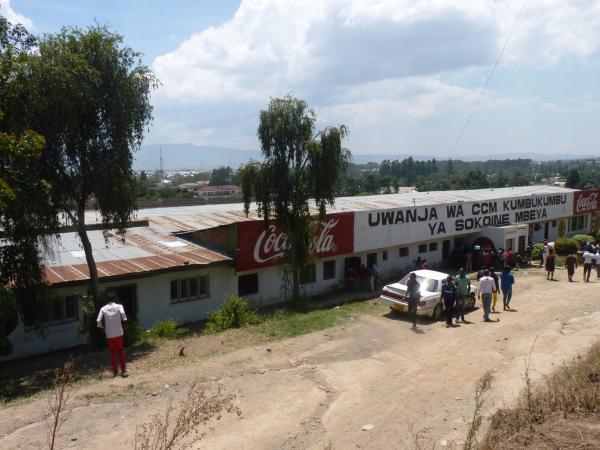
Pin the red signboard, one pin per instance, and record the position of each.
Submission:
(258, 246)
(586, 201)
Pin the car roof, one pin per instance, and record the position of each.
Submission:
(433, 274)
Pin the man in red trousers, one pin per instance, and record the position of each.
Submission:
(110, 317)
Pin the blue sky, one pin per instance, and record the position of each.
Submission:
(403, 75)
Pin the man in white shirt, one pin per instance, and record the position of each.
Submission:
(109, 318)
(597, 259)
(487, 286)
(587, 265)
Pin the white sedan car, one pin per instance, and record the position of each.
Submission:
(430, 303)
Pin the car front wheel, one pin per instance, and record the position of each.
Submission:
(471, 301)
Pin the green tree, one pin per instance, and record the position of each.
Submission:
(299, 165)
(221, 176)
(27, 216)
(573, 179)
(89, 96)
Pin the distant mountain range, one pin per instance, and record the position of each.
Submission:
(196, 157)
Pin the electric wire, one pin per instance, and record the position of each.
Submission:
(487, 81)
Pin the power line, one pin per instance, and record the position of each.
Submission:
(487, 81)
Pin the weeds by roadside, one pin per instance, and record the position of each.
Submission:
(483, 385)
(178, 427)
(564, 402)
(59, 408)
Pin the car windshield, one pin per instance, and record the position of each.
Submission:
(427, 284)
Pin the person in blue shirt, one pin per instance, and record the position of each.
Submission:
(449, 294)
(507, 280)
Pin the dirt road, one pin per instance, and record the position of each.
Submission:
(322, 388)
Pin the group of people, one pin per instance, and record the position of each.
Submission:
(456, 291)
(363, 278)
(589, 257)
(476, 257)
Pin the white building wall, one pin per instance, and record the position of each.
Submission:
(154, 295)
(28, 342)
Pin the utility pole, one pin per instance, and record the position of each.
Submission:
(161, 163)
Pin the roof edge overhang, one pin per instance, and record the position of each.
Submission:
(145, 274)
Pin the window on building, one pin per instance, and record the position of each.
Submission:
(187, 289)
(385, 255)
(247, 284)
(554, 224)
(578, 223)
(308, 274)
(403, 251)
(433, 246)
(422, 248)
(60, 310)
(329, 270)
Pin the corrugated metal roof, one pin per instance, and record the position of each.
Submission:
(142, 250)
(193, 218)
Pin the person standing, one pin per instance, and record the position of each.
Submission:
(413, 292)
(597, 259)
(449, 294)
(469, 260)
(528, 252)
(486, 288)
(544, 253)
(587, 265)
(507, 280)
(494, 275)
(373, 274)
(463, 285)
(110, 319)
(571, 265)
(550, 264)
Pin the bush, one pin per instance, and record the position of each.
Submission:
(566, 246)
(167, 329)
(133, 333)
(582, 239)
(234, 313)
(536, 252)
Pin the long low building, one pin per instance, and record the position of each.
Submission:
(184, 262)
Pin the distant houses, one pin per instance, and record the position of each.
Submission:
(200, 189)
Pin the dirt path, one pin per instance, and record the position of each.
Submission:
(324, 387)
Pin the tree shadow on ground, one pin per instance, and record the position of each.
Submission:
(27, 376)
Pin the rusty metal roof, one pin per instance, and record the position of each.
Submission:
(143, 250)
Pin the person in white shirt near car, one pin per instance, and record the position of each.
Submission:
(487, 286)
(109, 318)
(587, 265)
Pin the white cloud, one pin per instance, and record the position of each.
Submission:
(13, 16)
(359, 61)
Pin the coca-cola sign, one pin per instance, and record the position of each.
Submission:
(258, 246)
(586, 201)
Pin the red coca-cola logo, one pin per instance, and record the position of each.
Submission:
(586, 201)
(260, 247)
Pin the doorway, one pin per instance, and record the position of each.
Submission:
(522, 244)
(445, 249)
(127, 296)
(546, 230)
(371, 259)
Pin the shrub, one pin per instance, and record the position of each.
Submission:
(566, 246)
(536, 252)
(133, 333)
(234, 313)
(582, 239)
(167, 329)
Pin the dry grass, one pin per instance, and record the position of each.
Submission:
(483, 385)
(560, 412)
(59, 407)
(179, 427)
